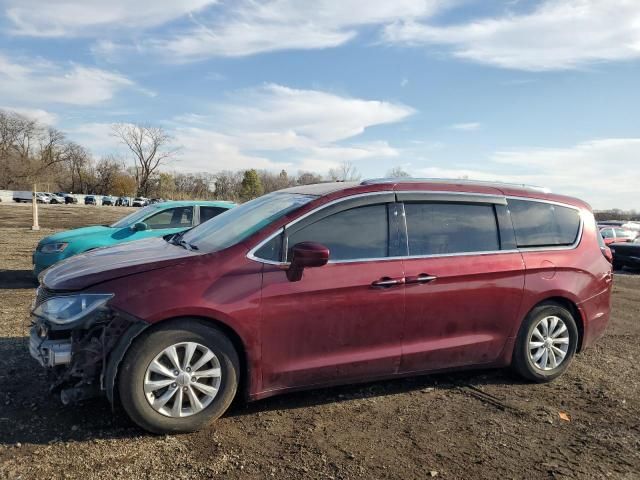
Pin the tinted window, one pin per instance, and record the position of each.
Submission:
(207, 213)
(539, 224)
(441, 228)
(171, 218)
(358, 233)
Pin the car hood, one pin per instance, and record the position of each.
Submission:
(84, 232)
(102, 264)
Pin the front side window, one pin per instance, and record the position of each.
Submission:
(134, 217)
(356, 234)
(448, 228)
(180, 217)
(541, 224)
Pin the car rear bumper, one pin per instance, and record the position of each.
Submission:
(596, 312)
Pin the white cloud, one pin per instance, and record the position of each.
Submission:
(249, 27)
(274, 126)
(42, 116)
(271, 127)
(57, 18)
(35, 81)
(466, 127)
(603, 172)
(556, 35)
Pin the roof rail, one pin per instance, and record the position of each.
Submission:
(464, 181)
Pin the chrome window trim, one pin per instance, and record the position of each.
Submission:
(251, 254)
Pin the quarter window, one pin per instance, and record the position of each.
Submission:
(445, 228)
(358, 233)
(171, 218)
(541, 224)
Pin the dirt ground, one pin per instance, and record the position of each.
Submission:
(472, 425)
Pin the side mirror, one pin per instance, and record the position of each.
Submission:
(139, 227)
(306, 255)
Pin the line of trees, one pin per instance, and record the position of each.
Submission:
(31, 152)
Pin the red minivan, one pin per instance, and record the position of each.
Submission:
(326, 284)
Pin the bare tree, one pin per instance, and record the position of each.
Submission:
(150, 147)
(397, 172)
(307, 178)
(345, 172)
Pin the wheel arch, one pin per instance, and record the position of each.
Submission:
(572, 307)
(122, 347)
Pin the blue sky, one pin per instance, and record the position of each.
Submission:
(542, 92)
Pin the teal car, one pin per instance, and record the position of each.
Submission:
(155, 220)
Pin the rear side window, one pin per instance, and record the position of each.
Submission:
(540, 224)
(443, 228)
(358, 233)
(207, 213)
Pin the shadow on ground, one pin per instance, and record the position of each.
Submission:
(17, 279)
(30, 414)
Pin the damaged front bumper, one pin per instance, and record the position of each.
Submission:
(79, 357)
(49, 353)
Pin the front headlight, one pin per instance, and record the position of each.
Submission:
(69, 308)
(53, 247)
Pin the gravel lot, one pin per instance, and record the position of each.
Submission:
(482, 424)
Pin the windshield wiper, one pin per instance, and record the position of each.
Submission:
(177, 240)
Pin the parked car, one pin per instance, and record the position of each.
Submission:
(156, 200)
(326, 284)
(54, 198)
(617, 235)
(626, 254)
(140, 202)
(90, 200)
(68, 198)
(151, 221)
(123, 202)
(108, 200)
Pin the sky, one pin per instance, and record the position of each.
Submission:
(539, 92)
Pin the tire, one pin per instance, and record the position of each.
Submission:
(133, 372)
(617, 265)
(523, 361)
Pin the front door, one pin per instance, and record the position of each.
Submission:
(463, 288)
(342, 321)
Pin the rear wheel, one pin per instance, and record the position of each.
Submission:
(546, 343)
(178, 378)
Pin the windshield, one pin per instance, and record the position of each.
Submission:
(134, 217)
(240, 222)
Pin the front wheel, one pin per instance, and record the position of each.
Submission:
(546, 343)
(178, 378)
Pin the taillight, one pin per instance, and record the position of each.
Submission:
(606, 251)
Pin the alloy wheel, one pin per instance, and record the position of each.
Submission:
(182, 380)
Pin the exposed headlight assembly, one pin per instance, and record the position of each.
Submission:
(53, 247)
(67, 309)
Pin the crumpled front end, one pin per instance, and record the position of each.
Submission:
(77, 353)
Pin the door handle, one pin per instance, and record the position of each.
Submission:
(422, 278)
(386, 282)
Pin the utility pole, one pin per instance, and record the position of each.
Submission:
(34, 201)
